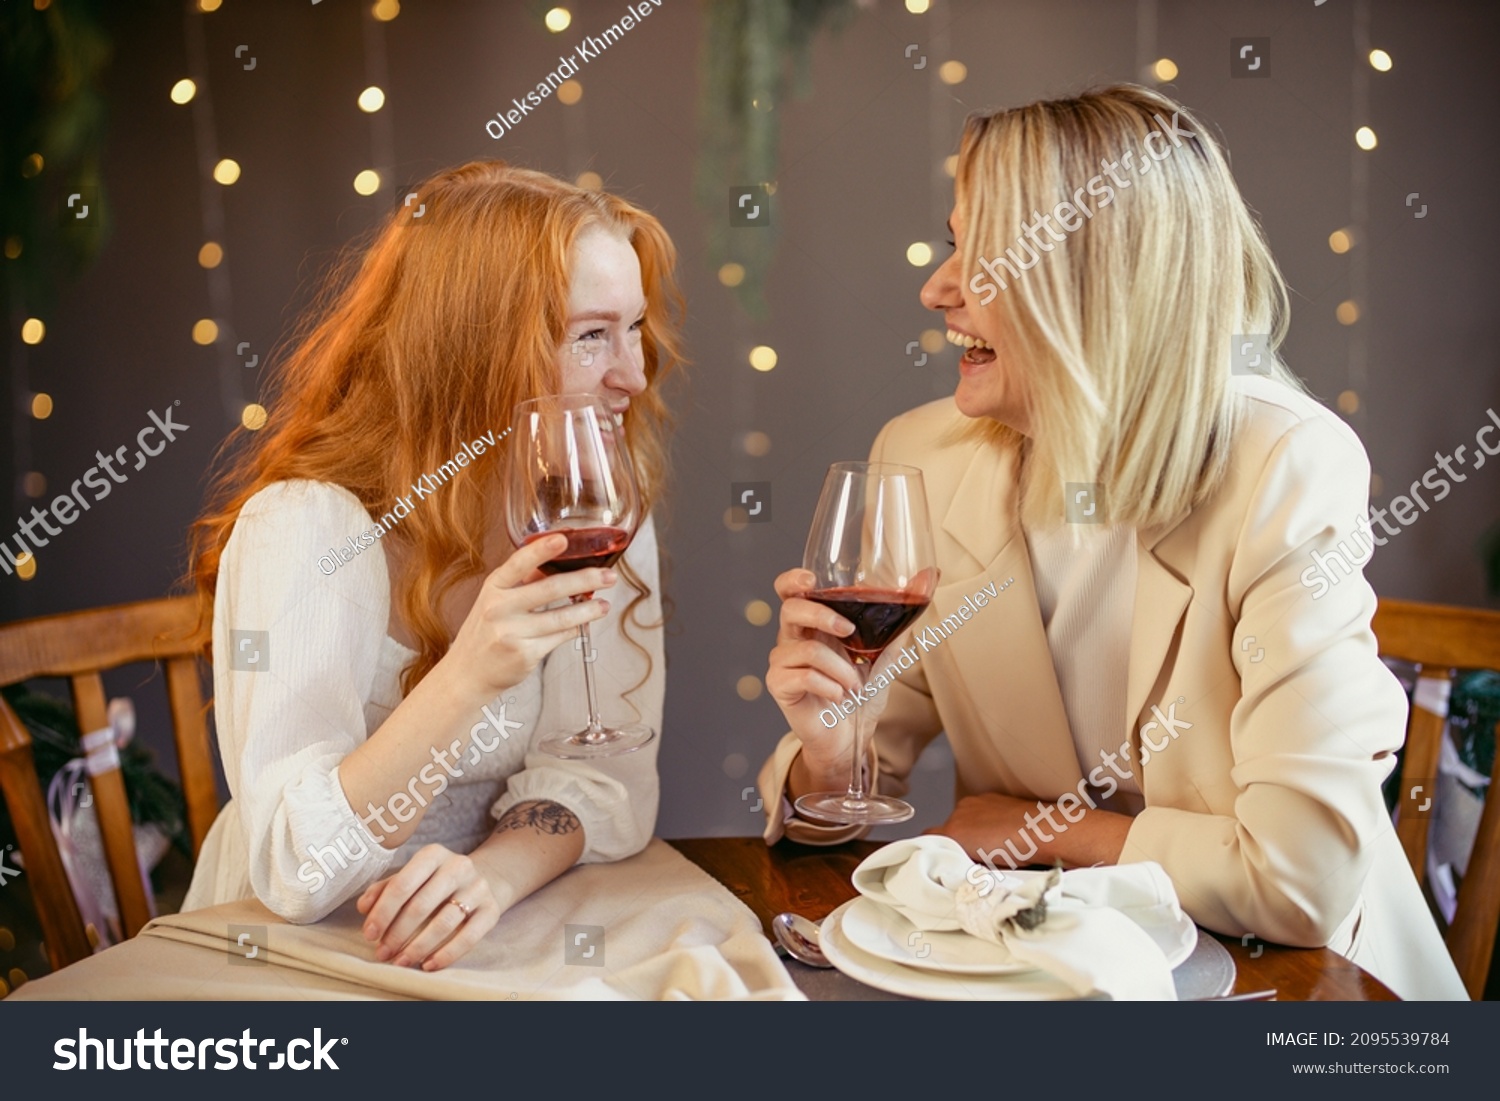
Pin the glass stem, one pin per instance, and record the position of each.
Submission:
(857, 790)
(595, 732)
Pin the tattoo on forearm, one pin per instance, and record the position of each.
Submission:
(539, 814)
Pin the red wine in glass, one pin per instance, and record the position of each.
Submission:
(878, 615)
(586, 547)
(871, 556)
(571, 475)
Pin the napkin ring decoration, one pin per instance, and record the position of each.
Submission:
(997, 904)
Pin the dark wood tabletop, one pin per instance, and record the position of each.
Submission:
(814, 881)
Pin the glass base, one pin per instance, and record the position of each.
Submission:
(584, 746)
(837, 807)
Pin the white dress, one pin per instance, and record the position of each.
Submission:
(326, 674)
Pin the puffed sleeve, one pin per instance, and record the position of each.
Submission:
(905, 720)
(1317, 723)
(289, 717)
(615, 798)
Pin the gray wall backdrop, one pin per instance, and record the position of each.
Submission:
(859, 179)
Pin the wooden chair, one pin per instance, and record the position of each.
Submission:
(79, 646)
(1439, 640)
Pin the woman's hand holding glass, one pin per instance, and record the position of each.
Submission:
(807, 675)
(507, 633)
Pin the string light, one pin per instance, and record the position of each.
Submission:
(917, 7)
(253, 417)
(205, 331)
(32, 166)
(763, 357)
(386, 10)
(557, 20)
(757, 444)
(1164, 70)
(211, 255)
(748, 687)
(569, 92)
(227, 171)
(1365, 138)
(1380, 61)
(953, 72)
(919, 254)
(183, 91)
(41, 406)
(590, 181)
(33, 330)
(371, 100)
(732, 274)
(367, 182)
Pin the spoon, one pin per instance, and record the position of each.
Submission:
(800, 938)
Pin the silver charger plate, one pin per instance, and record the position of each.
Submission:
(1207, 973)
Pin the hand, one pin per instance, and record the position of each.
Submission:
(413, 919)
(806, 674)
(983, 824)
(504, 636)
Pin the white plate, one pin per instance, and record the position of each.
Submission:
(1024, 986)
(888, 935)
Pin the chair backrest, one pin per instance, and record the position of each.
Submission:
(1439, 640)
(80, 646)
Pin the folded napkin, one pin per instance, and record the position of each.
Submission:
(1106, 930)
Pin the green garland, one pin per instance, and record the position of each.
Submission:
(51, 82)
(1472, 713)
(754, 52)
(55, 741)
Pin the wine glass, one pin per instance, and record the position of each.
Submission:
(870, 550)
(571, 474)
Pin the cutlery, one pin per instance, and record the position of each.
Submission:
(799, 937)
(1257, 996)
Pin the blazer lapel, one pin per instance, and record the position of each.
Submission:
(1001, 654)
(1161, 600)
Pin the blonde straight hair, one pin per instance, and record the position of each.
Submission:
(1123, 329)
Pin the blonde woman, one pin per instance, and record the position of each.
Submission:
(404, 654)
(1156, 683)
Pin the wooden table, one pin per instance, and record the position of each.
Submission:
(813, 881)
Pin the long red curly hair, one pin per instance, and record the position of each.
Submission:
(434, 334)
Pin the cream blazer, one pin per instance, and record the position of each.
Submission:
(1266, 811)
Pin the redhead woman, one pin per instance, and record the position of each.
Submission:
(375, 726)
(1147, 482)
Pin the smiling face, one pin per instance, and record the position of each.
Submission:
(601, 350)
(990, 382)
